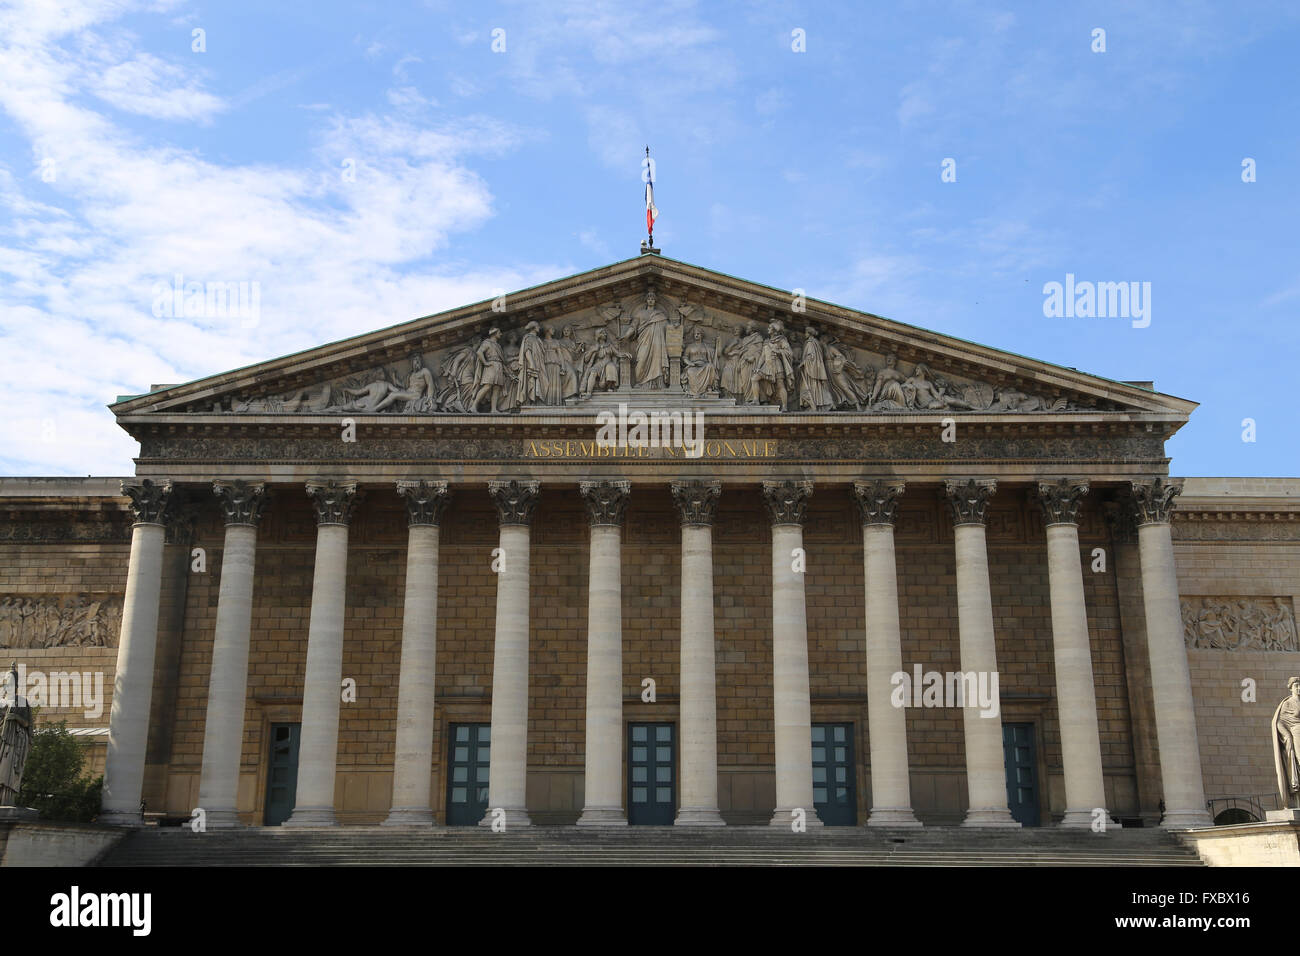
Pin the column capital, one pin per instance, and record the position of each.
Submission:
(333, 501)
(696, 499)
(242, 502)
(1060, 499)
(150, 501)
(1153, 499)
(968, 497)
(425, 501)
(606, 500)
(515, 500)
(786, 500)
(877, 499)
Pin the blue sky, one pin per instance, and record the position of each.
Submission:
(127, 157)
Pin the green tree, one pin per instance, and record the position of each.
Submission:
(54, 781)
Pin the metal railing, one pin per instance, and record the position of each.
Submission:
(1254, 804)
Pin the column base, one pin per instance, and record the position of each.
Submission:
(602, 817)
(699, 817)
(892, 817)
(225, 819)
(515, 817)
(785, 818)
(1186, 819)
(409, 817)
(1082, 819)
(990, 817)
(311, 817)
(121, 818)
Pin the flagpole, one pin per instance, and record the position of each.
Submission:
(649, 171)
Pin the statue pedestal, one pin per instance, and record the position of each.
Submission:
(1291, 815)
(18, 814)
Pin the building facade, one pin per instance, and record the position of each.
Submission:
(654, 545)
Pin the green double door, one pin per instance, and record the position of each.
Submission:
(651, 774)
(835, 793)
(468, 761)
(281, 774)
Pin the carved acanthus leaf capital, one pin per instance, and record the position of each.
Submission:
(515, 500)
(333, 500)
(150, 501)
(425, 501)
(968, 497)
(877, 499)
(1060, 499)
(1153, 499)
(786, 500)
(241, 502)
(606, 500)
(696, 500)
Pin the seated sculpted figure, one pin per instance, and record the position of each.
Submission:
(600, 366)
(419, 392)
(698, 370)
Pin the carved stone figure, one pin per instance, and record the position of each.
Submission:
(1236, 624)
(15, 738)
(848, 383)
(60, 621)
(532, 369)
(600, 367)
(650, 328)
(698, 370)
(774, 375)
(490, 372)
(458, 372)
(728, 359)
(888, 389)
(419, 394)
(1286, 745)
(814, 380)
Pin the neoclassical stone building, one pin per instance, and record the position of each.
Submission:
(654, 545)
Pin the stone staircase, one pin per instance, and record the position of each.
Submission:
(646, 846)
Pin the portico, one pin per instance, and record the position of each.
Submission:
(504, 577)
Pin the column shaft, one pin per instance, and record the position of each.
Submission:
(891, 793)
(507, 776)
(322, 693)
(793, 707)
(128, 727)
(1171, 683)
(223, 732)
(1076, 697)
(413, 757)
(603, 780)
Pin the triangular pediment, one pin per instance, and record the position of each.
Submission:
(704, 339)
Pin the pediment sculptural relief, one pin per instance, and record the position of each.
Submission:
(647, 344)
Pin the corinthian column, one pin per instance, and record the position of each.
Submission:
(1076, 698)
(986, 778)
(603, 781)
(891, 791)
(794, 789)
(508, 770)
(128, 722)
(1171, 682)
(696, 501)
(223, 732)
(319, 744)
(413, 754)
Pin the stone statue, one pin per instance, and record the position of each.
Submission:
(15, 738)
(458, 372)
(889, 385)
(850, 386)
(1286, 745)
(489, 372)
(774, 375)
(600, 366)
(532, 368)
(698, 371)
(650, 328)
(814, 382)
(419, 394)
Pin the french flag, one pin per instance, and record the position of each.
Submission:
(651, 213)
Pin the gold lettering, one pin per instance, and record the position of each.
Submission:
(584, 449)
(532, 449)
(769, 448)
(568, 449)
(730, 451)
(712, 449)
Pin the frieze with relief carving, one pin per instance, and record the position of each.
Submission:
(646, 344)
(1144, 447)
(36, 621)
(1239, 623)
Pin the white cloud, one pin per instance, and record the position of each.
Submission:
(150, 87)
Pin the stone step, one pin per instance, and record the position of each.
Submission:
(666, 846)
